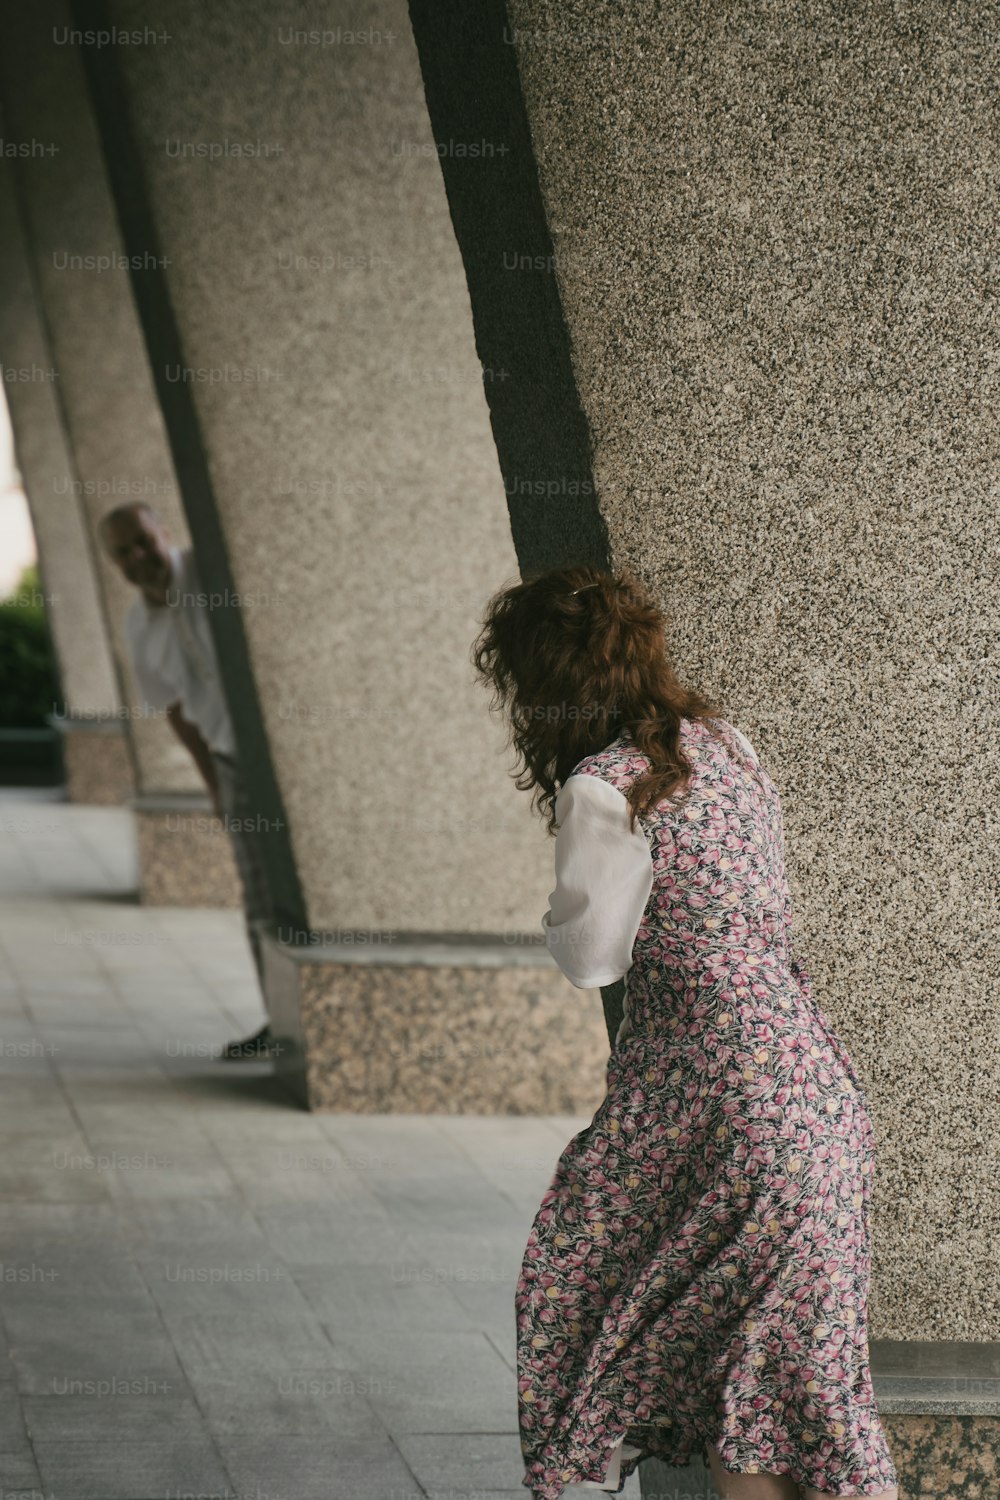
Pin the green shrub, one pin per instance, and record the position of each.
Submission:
(28, 679)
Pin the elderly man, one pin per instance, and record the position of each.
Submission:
(170, 643)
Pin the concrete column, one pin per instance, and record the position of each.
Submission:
(95, 746)
(113, 446)
(309, 331)
(751, 251)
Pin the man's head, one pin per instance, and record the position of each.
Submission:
(136, 540)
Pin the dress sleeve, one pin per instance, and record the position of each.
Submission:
(604, 874)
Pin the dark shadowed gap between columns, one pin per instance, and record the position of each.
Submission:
(473, 93)
(474, 98)
(165, 349)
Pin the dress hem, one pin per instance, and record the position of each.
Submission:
(582, 1483)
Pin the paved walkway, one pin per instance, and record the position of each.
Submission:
(207, 1292)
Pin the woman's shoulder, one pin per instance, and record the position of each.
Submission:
(621, 761)
(618, 763)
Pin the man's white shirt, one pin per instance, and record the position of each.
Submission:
(174, 657)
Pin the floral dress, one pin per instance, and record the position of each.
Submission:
(698, 1269)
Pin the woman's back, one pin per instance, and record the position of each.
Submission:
(695, 1279)
(719, 904)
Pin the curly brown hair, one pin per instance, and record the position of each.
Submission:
(575, 656)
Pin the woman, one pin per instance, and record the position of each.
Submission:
(696, 1277)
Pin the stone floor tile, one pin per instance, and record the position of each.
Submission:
(445, 1382)
(301, 1468)
(320, 1305)
(150, 1470)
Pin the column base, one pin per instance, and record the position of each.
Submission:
(96, 760)
(951, 1458)
(383, 1023)
(185, 858)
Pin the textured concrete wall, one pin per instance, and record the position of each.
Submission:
(771, 235)
(112, 421)
(354, 475)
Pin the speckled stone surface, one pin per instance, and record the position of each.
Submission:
(355, 476)
(184, 860)
(117, 448)
(450, 1040)
(945, 1458)
(772, 228)
(98, 767)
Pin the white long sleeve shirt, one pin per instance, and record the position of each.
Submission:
(604, 874)
(173, 654)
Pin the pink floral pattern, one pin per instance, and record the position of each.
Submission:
(698, 1269)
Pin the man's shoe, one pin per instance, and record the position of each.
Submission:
(258, 1045)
